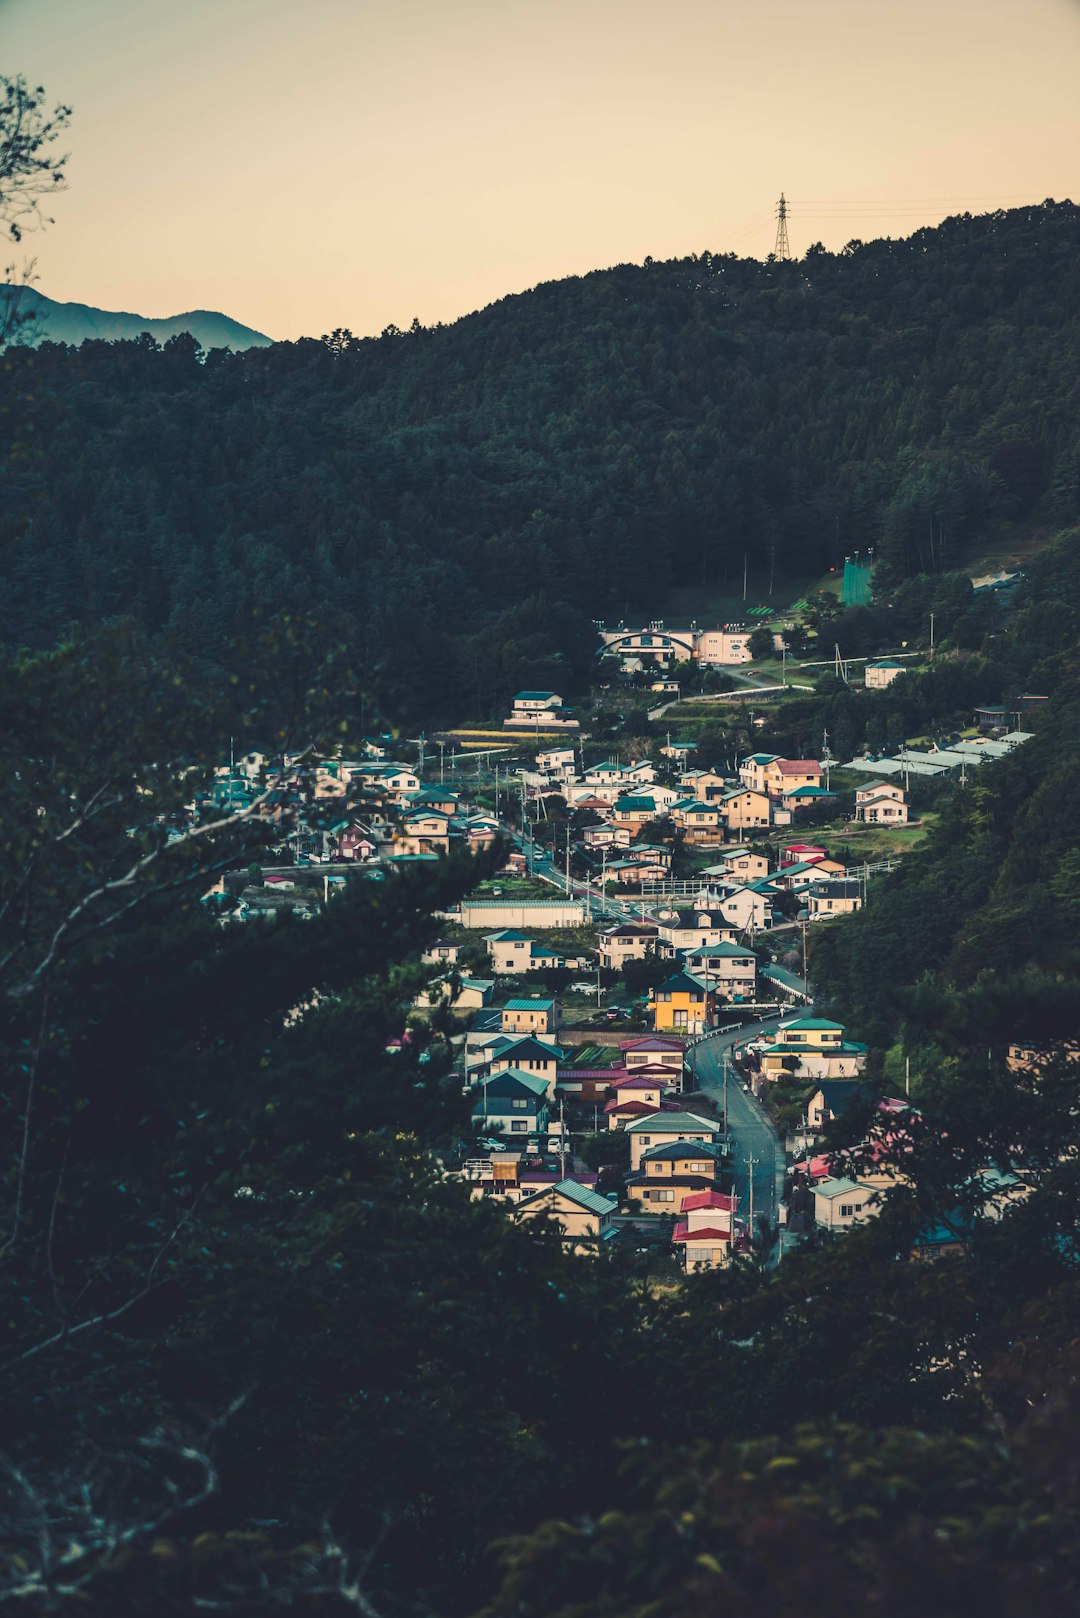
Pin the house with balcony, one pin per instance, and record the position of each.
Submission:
(630, 941)
(730, 969)
(812, 1048)
(540, 710)
(882, 803)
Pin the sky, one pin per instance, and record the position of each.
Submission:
(361, 162)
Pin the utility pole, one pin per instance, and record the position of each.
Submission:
(752, 1161)
(772, 567)
(782, 250)
(442, 763)
(745, 566)
(726, 1060)
(931, 634)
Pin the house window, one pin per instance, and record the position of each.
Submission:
(847, 1209)
(520, 1103)
(665, 1196)
(519, 1126)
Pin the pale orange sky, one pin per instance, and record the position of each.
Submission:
(357, 162)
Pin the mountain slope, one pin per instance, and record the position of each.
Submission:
(74, 323)
(459, 502)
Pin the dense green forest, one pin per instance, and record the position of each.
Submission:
(457, 504)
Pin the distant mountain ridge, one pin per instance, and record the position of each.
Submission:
(73, 323)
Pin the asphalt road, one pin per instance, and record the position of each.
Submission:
(753, 1136)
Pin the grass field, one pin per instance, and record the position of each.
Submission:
(722, 600)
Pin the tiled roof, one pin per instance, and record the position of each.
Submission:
(591, 1201)
(681, 1148)
(528, 1005)
(709, 1233)
(798, 766)
(710, 1199)
(675, 1123)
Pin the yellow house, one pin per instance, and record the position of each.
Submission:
(745, 808)
(682, 1004)
(813, 1048)
(671, 1172)
(583, 1217)
(530, 1016)
(784, 775)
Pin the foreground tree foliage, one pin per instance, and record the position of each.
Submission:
(259, 1352)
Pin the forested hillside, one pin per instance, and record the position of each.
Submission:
(973, 943)
(458, 503)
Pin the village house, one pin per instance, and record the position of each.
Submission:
(652, 1052)
(705, 785)
(730, 969)
(830, 1100)
(510, 951)
(444, 952)
(801, 854)
(631, 941)
(881, 804)
(783, 776)
(696, 928)
(526, 1055)
(462, 995)
(584, 1217)
(558, 762)
(357, 842)
(672, 1171)
(606, 836)
(511, 1103)
(882, 673)
(795, 878)
(532, 1016)
(706, 1232)
(395, 781)
(682, 1003)
(540, 710)
(424, 831)
(747, 909)
(812, 1048)
(637, 1096)
(661, 1127)
(701, 822)
(746, 864)
(839, 1204)
(745, 809)
(588, 1085)
(679, 752)
(838, 897)
(631, 813)
(752, 770)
